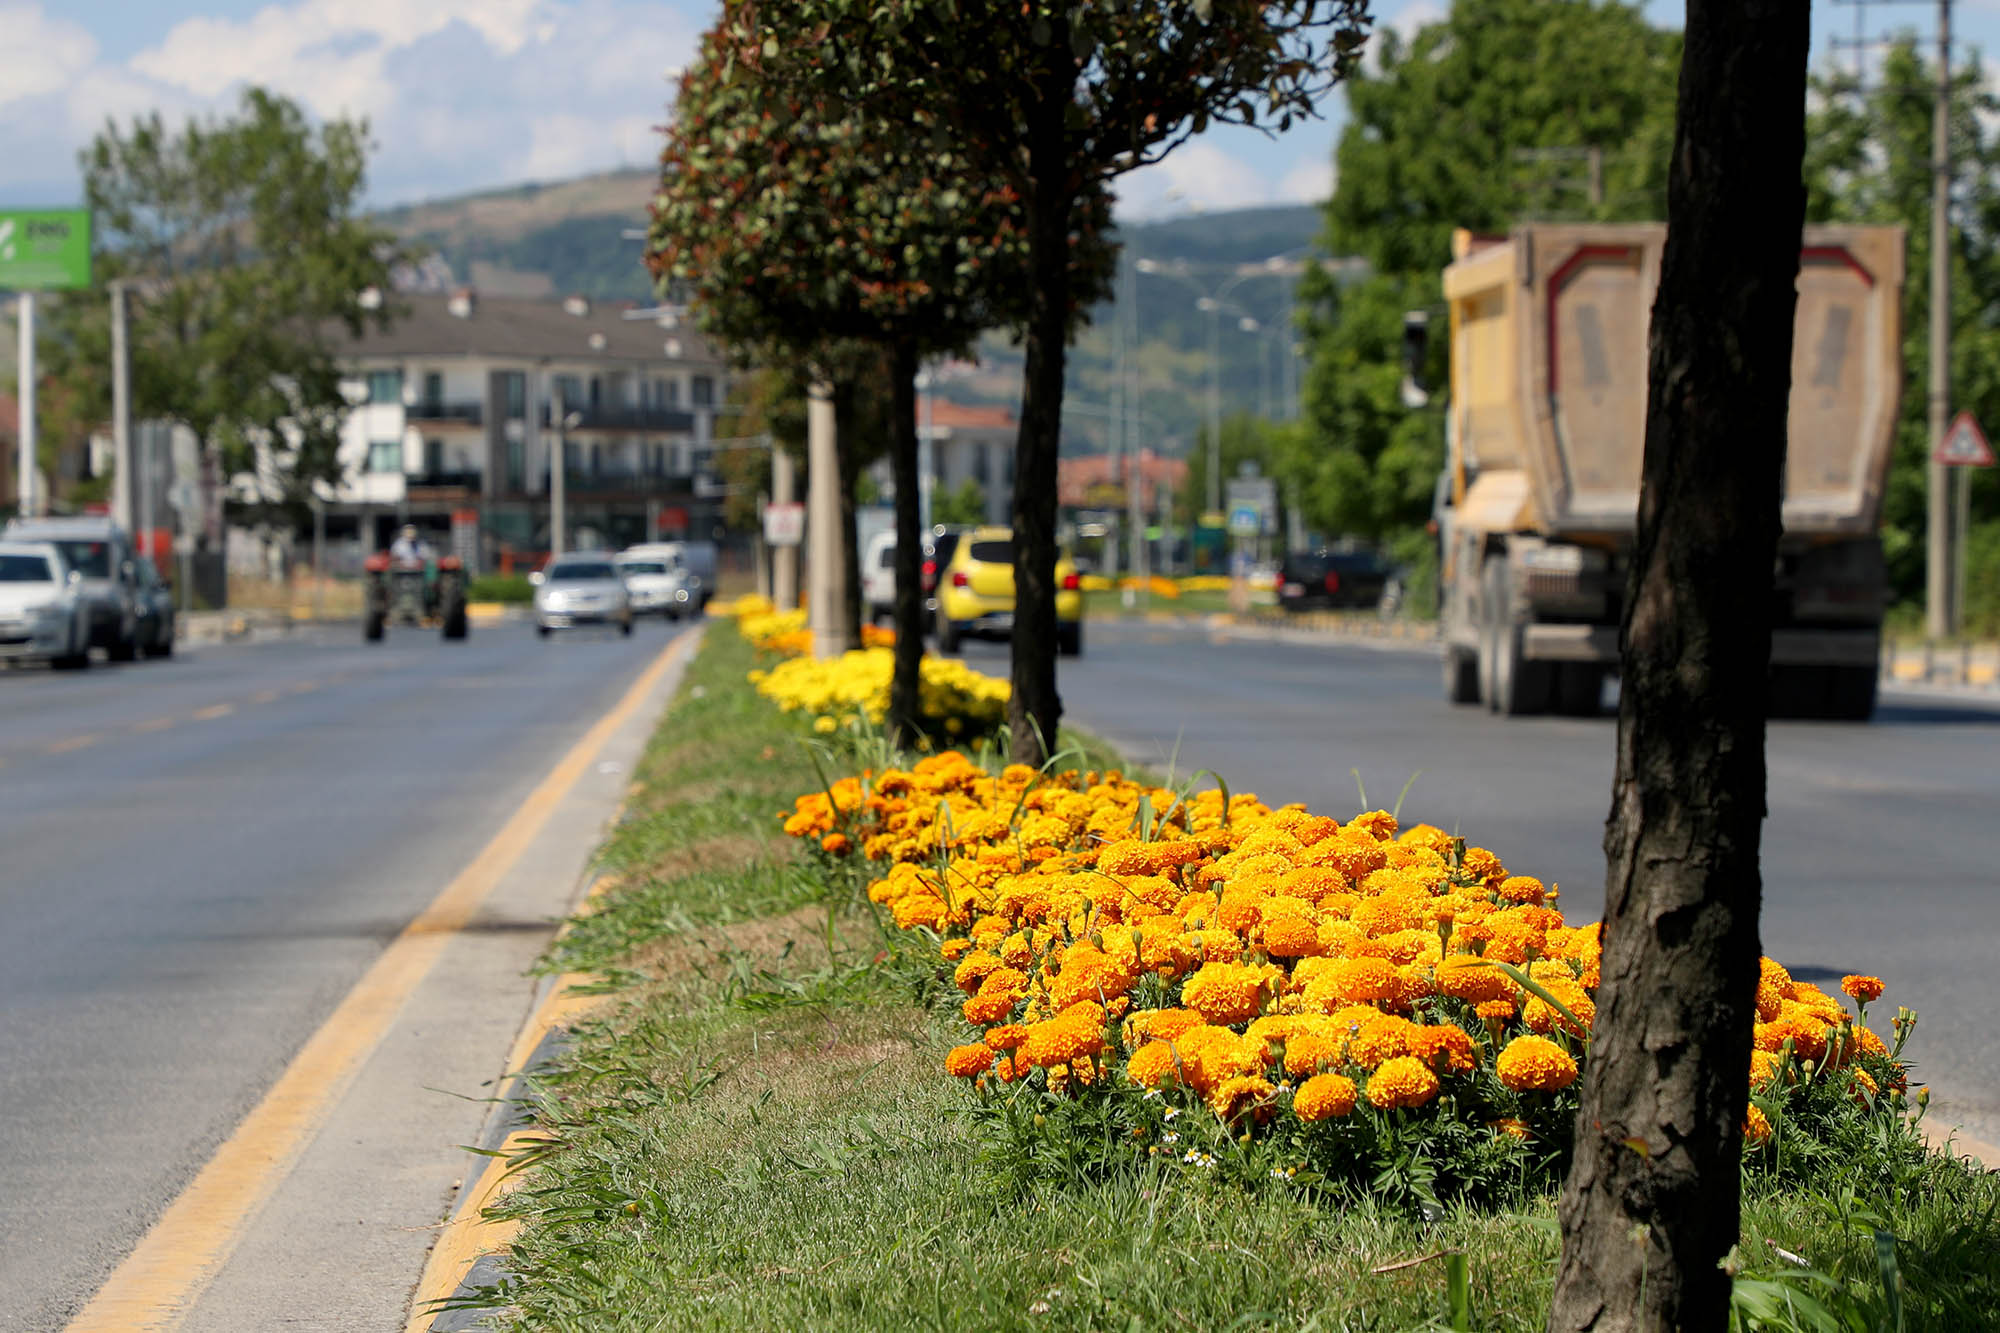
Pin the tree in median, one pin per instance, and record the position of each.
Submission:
(1651, 1205)
(813, 230)
(248, 260)
(1057, 100)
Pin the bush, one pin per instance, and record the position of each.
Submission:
(500, 588)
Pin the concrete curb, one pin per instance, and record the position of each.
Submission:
(468, 1251)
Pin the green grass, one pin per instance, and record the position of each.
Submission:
(754, 1133)
(500, 588)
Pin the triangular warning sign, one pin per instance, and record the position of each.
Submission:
(1964, 445)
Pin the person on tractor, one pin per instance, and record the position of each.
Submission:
(409, 548)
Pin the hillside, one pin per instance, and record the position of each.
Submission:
(567, 236)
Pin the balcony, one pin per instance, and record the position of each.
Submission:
(615, 482)
(468, 414)
(621, 417)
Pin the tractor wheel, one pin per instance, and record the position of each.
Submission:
(371, 628)
(625, 627)
(455, 624)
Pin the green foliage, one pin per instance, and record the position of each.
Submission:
(1486, 117)
(964, 507)
(1868, 160)
(247, 263)
(510, 588)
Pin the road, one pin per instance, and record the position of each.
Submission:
(202, 856)
(1877, 854)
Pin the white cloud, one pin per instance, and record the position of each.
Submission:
(1310, 182)
(1196, 177)
(42, 54)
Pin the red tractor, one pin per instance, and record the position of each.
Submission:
(426, 593)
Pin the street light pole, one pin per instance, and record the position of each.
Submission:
(558, 465)
(1940, 608)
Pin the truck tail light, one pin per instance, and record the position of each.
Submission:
(1072, 582)
(1332, 581)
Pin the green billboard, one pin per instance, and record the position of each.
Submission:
(44, 249)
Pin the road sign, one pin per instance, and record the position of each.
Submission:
(1258, 496)
(1245, 521)
(784, 524)
(1964, 445)
(44, 250)
(184, 496)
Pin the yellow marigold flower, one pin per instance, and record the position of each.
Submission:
(1864, 990)
(1513, 1127)
(1160, 1024)
(1291, 937)
(1756, 1125)
(1763, 1067)
(1774, 987)
(1495, 1011)
(989, 1007)
(1377, 824)
(1522, 889)
(1535, 1064)
(1865, 1089)
(1061, 1039)
(1446, 1047)
(1308, 1052)
(1869, 1043)
(953, 950)
(1388, 914)
(1324, 1096)
(968, 1061)
(1242, 1095)
(1540, 1016)
(1227, 992)
(1478, 863)
(973, 969)
(1401, 1082)
(1210, 1055)
(1467, 977)
(1362, 980)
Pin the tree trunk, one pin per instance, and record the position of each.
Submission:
(1035, 709)
(1651, 1205)
(905, 697)
(850, 476)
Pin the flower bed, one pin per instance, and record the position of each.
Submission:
(1336, 1000)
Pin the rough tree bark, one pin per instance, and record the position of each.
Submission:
(1652, 1200)
(905, 698)
(1035, 709)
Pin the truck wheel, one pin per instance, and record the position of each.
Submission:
(1518, 686)
(1798, 692)
(124, 648)
(1461, 676)
(371, 628)
(1851, 693)
(1579, 689)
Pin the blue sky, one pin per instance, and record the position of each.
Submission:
(468, 94)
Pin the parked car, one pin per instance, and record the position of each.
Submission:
(99, 551)
(580, 590)
(938, 548)
(878, 577)
(43, 612)
(976, 592)
(1324, 580)
(156, 610)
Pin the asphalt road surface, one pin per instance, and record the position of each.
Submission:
(201, 857)
(1878, 853)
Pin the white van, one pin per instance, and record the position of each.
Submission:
(878, 577)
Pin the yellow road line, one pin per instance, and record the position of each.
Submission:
(161, 1279)
(72, 743)
(155, 724)
(213, 711)
(305, 687)
(264, 697)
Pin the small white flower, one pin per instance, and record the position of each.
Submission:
(1279, 1173)
(1172, 1111)
(1170, 1137)
(1191, 1157)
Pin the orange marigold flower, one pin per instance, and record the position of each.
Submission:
(1467, 977)
(1864, 1087)
(1535, 1064)
(1869, 1043)
(1402, 1081)
(1241, 1095)
(1381, 1038)
(1060, 1040)
(1377, 824)
(1495, 1011)
(1763, 1067)
(1308, 1052)
(1774, 987)
(1324, 1096)
(973, 969)
(1522, 889)
(1865, 990)
(968, 1061)
(1478, 863)
(1756, 1125)
(989, 1007)
(1291, 937)
(953, 950)
(1151, 1065)
(1512, 1126)
(1006, 1037)
(1362, 980)
(1443, 1046)
(1227, 992)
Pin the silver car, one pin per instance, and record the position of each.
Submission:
(43, 612)
(580, 590)
(100, 552)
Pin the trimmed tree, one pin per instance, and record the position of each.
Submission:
(1057, 100)
(809, 229)
(1652, 1202)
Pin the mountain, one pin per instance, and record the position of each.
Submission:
(565, 237)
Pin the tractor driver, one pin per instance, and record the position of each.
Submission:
(409, 548)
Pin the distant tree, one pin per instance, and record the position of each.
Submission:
(1057, 100)
(963, 508)
(1868, 155)
(1482, 118)
(822, 239)
(248, 262)
(1652, 1201)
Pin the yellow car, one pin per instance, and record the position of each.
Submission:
(975, 593)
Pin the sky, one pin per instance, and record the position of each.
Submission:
(472, 94)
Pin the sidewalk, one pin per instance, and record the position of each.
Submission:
(230, 625)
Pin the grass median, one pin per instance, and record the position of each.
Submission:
(753, 1132)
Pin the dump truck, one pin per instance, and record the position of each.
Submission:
(1545, 435)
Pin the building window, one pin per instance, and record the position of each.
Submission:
(982, 470)
(670, 392)
(1007, 466)
(596, 392)
(385, 386)
(385, 456)
(517, 465)
(704, 391)
(569, 392)
(433, 456)
(516, 388)
(433, 387)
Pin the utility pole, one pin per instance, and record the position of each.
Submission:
(124, 476)
(785, 558)
(1214, 309)
(1940, 603)
(25, 487)
(558, 465)
(826, 559)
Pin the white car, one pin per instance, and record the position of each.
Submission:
(43, 612)
(878, 577)
(580, 590)
(656, 584)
